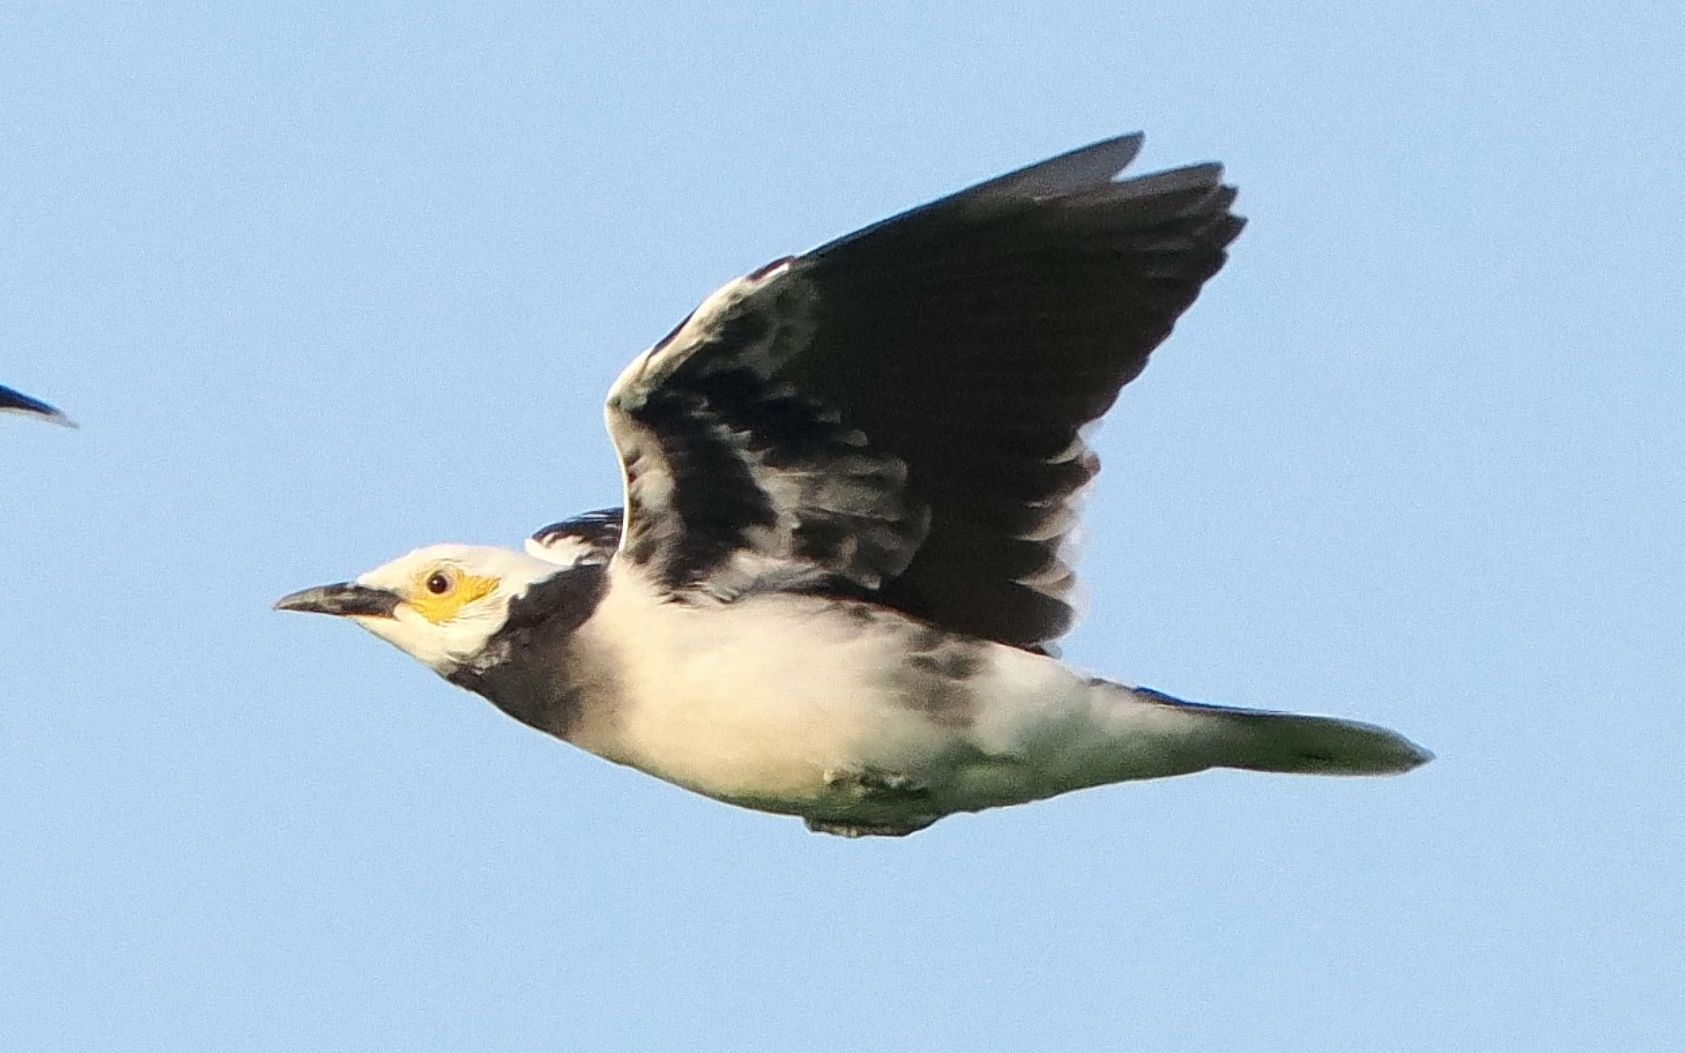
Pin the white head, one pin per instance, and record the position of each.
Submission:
(440, 604)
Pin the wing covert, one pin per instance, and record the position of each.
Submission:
(588, 538)
(898, 412)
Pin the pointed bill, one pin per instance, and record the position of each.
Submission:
(343, 599)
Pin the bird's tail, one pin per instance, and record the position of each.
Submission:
(1263, 740)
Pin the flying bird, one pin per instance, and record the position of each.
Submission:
(17, 402)
(850, 477)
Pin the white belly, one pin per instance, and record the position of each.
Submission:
(859, 716)
(778, 701)
(765, 701)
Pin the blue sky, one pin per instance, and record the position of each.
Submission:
(322, 285)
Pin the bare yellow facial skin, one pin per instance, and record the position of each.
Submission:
(439, 593)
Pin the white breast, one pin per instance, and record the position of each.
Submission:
(756, 700)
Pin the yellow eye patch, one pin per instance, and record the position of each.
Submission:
(441, 593)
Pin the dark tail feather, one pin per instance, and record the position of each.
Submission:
(1263, 740)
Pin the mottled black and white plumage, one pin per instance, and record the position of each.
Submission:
(17, 402)
(850, 478)
(899, 411)
(590, 537)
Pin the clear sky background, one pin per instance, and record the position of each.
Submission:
(325, 284)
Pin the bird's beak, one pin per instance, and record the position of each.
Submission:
(343, 599)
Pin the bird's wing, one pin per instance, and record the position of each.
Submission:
(17, 402)
(897, 413)
(590, 537)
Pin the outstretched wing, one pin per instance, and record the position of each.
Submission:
(897, 413)
(17, 402)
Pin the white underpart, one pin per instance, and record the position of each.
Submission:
(768, 700)
(754, 700)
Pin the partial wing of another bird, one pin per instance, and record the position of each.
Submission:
(17, 402)
(897, 413)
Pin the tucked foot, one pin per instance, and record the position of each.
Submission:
(873, 784)
(871, 802)
(821, 826)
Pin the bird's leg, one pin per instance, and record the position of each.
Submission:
(878, 789)
(874, 784)
(822, 826)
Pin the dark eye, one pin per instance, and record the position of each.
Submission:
(439, 583)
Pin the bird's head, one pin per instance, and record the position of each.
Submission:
(441, 605)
